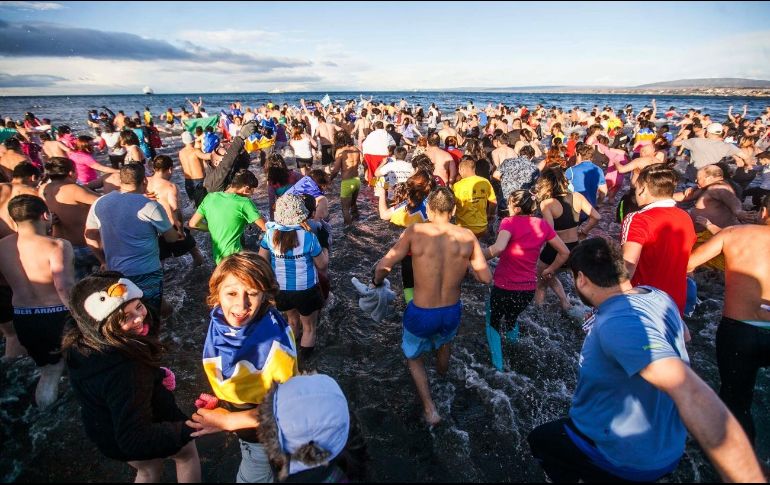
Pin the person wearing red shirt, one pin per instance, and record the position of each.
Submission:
(658, 239)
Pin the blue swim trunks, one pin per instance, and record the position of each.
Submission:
(427, 329)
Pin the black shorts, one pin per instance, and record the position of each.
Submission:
(304, 301)
(178, 248)
(508, 305)
(327, 157)
(40, 332)
(116, 161)
(304, 162)
(195, 190)
(6, 304)
(548, 255)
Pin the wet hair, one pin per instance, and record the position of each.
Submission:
(523, 200)
(342, 139)
(551, 183)
(251, 270)
(59, 168)
(659, 179)
(63, 130)
(450, 141)
(434, 140)
(441, 200)
(297, 132)
(423, 162)
(501, 138)
(600, 261)
(45, 136)
(132, 174)
(527, 151)
(310, 203)
(26, 170)
(87, 337)
(26, 207)
(162, 163)
(275, 160)
(278, 175)
(244, 178)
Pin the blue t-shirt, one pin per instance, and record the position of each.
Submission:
(635, 426)
(483, 119)
(585, 178)
(294, 270)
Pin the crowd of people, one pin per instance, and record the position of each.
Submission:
(510, 194)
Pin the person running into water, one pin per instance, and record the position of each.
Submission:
(561, 209)
(226, 214)
(39, 269)
(296, 256)
(636, 396)
(126, 398)
(743, 335)
(441, 254)
(476, 201)
(193, 170)
(346, 161)
(519, 242)
(249, 347)
(167, 194)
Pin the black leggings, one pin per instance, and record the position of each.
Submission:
(507, 305)
(560, 458)
(742, 349)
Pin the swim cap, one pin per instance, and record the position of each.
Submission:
(187, 138)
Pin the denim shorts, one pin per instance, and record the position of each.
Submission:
(255, 466)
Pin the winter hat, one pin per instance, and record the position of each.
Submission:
(290, 210)
(99, 295)
(306, 419)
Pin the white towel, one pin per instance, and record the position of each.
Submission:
(376, 301)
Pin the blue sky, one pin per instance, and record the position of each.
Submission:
(119, 47)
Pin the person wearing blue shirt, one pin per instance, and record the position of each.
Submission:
(585, 177)
(636, 395)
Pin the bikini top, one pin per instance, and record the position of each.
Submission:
(567, 218)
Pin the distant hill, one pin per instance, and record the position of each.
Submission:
(717, 82)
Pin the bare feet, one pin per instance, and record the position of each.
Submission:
(197, 257)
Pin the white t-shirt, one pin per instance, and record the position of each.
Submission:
(396, 172)
(112, 141)
(377, 143)
(302, 148)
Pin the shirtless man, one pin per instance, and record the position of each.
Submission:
(447, 130)
(325, 132)
(69, 204)
(39, 269)
(502, 150)
(164, 191)
(443, 162)
(12, 156)
(25, 178)
(192, 168)
(743, 336)
(53, 148)
(441, 255)
(196, 106)
(346, 162)
(648, 157)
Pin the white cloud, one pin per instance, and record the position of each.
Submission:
(229, 38)
(40, 6)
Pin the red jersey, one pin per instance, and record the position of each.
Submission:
(667, 235)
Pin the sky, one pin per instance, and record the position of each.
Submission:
(208, 47)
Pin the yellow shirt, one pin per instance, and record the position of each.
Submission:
(473, 195)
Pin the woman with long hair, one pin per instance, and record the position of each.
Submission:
(85, 164)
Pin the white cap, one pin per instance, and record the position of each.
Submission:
(715, 128)
(187, 137)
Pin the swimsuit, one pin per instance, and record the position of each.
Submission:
(349, 187)
(40, 331)
(565, 221)
(427, 329)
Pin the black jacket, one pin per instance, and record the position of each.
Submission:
(235, 159)
(126, 411)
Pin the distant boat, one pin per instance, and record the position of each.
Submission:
(275, 91)
(148, 90)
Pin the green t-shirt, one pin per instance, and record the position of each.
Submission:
(6, 133)
(227, 215)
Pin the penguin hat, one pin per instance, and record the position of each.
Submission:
(96, 297)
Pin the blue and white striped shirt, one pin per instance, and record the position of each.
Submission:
(294, 270)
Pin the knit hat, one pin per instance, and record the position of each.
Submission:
(98, 296)
(290, 210)
(306, 420)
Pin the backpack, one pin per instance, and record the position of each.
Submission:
(210, 142)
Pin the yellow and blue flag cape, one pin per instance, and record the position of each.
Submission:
(242, 363)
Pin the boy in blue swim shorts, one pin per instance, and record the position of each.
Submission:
(441, 255)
